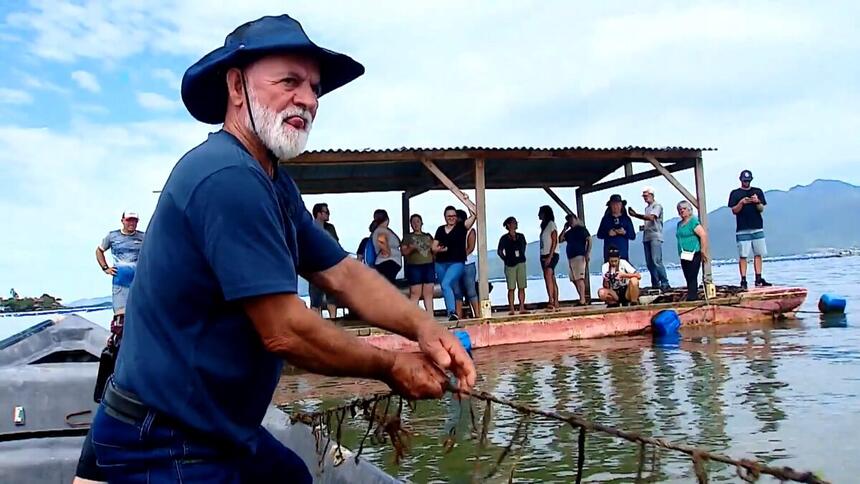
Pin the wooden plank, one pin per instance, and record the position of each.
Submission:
(628, 169)
(699, 173)
(557, 199)
(674, 181)
(580, 212)
(483, 258)
(683, 165)
(449, 184)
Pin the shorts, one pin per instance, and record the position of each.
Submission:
(577, 268)
(515, 276)
(751, 243)
(420, 274)
(552, 262)
(119, 298)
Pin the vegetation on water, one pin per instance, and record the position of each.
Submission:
(15, 303)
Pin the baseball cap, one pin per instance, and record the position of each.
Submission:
(130, 214)
(648, 189)
(746, 175)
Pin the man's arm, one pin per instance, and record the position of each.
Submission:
(471, 241)
(299, 335)
(379, 303)
(100, 258)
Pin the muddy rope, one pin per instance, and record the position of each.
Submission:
(390, 425)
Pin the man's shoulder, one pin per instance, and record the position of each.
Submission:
(220, 151)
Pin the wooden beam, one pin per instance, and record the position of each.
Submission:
(435, 186)
(674, 181)
(449, 184)
(404, 212)
(628, 169)
(483, 258)
(580, 212)
(557, 199)
(699, 173)
(682, 165)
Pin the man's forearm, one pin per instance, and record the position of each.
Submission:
(100, 258)
(299, 335)
(366, 292)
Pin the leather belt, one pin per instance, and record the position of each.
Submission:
(118, 401)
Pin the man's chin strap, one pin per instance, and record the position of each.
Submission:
(272, 157)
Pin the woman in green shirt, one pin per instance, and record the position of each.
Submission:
(420, 271)
(692, 247)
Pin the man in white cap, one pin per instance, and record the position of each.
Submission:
(125, 245)
(652, 239)
(214, 310)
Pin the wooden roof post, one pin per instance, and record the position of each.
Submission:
(404, 213)
(580, 212)
(483, 263)
(699, 172)
(674, 181)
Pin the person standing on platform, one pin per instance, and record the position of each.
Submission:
(549, 254)
(578, 251)
(652, 239)
(616, 228)
(420, 272)
(322, 215)
(512, 251)
(449, 246)
(747, 203)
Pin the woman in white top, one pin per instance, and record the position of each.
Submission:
(549, 254)
(389, 259)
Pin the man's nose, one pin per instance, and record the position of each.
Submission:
(306, 97)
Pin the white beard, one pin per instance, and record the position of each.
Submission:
(285, 141)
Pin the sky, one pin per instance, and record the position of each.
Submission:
(91, 120)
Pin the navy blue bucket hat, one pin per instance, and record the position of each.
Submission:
(204, 85)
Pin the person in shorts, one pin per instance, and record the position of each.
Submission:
(420, 271)
(747, 203)
(549, 254)
(578, 251)
(512, 251)
(620, 281)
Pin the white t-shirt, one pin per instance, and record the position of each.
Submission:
(546, 238)
(624, 267)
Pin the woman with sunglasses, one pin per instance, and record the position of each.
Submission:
(449, 245)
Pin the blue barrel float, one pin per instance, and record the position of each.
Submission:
(465, 341)
(829, 303)
(665, 326)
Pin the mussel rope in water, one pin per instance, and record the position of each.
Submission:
(747, 469)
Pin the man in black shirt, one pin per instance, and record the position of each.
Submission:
(578, 249)
(747, 203)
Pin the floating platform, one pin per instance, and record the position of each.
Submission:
(598, 321)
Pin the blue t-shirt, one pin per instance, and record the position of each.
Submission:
(222, 231)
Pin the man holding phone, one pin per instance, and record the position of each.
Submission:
(747, 203)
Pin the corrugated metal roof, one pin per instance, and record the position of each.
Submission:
(405, 149)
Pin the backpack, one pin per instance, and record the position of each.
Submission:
(370, 253)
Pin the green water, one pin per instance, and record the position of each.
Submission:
(783, 392)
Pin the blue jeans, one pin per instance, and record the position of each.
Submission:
(448, 276)
(467, 283)
(157, 451)
(654, 261)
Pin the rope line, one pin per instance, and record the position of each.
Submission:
(747, 469)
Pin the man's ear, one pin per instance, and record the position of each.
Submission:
(235, 88)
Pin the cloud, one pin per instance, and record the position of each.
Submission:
(41, 84)
(81, 178)
(14, 96)
(86, 80)
(156, 102)
(169, 77)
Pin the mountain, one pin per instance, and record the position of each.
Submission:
(803, 219)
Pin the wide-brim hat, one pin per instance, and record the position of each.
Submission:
(204, 85)
(616, 198)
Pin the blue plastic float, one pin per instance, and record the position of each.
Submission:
(829, 303)
(465, 341)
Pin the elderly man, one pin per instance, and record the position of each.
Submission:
(652, 239)
(214, 310)
(747, 203)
